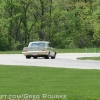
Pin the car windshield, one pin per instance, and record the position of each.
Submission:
(36, 45)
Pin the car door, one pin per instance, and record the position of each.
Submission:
(51, 49)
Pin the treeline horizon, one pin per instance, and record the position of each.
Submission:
(65, 23)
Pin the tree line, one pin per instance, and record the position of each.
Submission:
(65, 23)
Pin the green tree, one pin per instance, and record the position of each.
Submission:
(96, 22)
(66, 23)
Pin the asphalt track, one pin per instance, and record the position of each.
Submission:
(66, 60)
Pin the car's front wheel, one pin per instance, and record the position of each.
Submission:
(53, 57)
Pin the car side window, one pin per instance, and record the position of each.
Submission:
(49, 45)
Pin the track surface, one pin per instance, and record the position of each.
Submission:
(66, 60)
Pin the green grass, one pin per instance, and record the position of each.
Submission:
(89, 58)
(84, 50)
(76, 84)
(10, 52)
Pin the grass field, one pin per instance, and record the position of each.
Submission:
(76, 84)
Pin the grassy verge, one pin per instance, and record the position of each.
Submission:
(10, 52)
(85, 50)
(76, 84)
(89, 58)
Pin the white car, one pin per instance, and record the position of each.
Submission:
(39, 49)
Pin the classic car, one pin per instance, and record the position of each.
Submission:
(39, 49)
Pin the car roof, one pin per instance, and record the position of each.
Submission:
(40, 42)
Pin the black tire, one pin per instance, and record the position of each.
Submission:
(35, 57)
(47, 56)
(28, 57)
(54, 56)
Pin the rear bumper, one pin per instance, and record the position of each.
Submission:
(35, 53)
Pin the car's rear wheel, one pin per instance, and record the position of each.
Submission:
(53, 57)
(28, 57)
(35, 57)
(47, 56)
